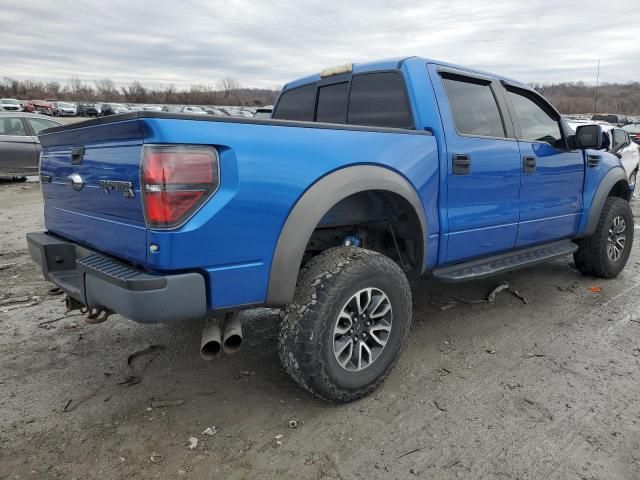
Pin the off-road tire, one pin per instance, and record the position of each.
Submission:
(633, 179)
(591, 258)
(307, 325)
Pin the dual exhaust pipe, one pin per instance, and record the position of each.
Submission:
(221, 334)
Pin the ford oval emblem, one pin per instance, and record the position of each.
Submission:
(76, 181)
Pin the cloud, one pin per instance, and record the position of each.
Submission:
(264, 44)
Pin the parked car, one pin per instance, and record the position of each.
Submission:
(172, 108)
(613, 119)
(42, 106)
(618, 142)
(10, 104)
(19, 145)
(113, 109)
(27, 106)
(89, 110)
(152, 108)
(162, 218)
(263, 112)
(214, 111)
(193, 110)
(64, 109)
(634, 131)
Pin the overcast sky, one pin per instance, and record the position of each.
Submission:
(267, 43)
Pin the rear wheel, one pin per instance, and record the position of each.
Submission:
(605, 253)
(350, 317)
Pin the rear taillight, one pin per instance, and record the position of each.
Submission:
(176, 180)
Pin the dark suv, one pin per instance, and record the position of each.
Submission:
(89, 110)
(613, 119)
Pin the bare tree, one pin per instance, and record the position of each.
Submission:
(229, 85)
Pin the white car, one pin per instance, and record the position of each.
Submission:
(194, 111)
(620, 144)
(10, 104)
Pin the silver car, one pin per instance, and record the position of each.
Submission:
(19, 144)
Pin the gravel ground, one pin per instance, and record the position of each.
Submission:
(547, 389)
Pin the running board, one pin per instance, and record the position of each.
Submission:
(489, 266)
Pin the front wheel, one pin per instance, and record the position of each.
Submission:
(345, 329)
(605, 253)
(632, 180)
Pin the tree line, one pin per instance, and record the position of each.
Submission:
(227, 91)
(579, 97)
(567, 97)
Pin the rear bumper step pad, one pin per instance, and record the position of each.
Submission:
(100, 281)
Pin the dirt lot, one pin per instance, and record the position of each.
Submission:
(546, 389)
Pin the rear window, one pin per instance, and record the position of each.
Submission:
(297, 104)
(332, 103)
(372, 99)
(379, 100)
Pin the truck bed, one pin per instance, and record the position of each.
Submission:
(265, 166)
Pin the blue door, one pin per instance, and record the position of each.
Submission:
(483, 156)
(552, 174)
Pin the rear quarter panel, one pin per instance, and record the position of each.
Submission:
(264, 170)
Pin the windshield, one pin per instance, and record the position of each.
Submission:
(65, 105)
(9, 101)
(633, 128)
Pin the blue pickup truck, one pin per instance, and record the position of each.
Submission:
(365, 174)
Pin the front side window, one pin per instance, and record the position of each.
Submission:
(379, 100)
(619, 138)
(297, 104)
(474, 108)
(12, 127)
(536, 125)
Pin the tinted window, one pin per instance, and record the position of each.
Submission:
(474, 108)
(619, 137)
(297, 104)
(536, 125)
(332, 103)
(39, 124)
(12, 126)
(379, 100)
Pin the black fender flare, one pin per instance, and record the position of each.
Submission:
(314, 204)
(607, 183)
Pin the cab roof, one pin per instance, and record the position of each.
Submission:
(396, 63)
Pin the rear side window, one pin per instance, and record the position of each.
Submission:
(379, 100)
(12, 127)
(536, 125)
(474, 108)
(332, 103)
(297, 104)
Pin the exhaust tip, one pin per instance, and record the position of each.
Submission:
(210, 350)
(211, 343)
(232, 343)
(232, 337)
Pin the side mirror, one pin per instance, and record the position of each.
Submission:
(589, 136)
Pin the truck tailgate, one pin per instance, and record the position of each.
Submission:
(91, 186)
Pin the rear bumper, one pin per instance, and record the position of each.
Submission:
(102, 282)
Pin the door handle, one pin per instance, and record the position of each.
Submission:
(461, 164)
(529, 164)
(77, 153)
